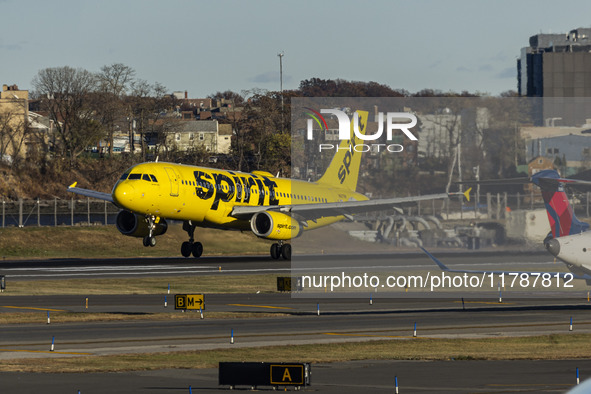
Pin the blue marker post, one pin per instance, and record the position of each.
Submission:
(577, 375)
(52, 344)
(201, 312)
(318, 309)
(232, 336)
(370, 300)
(165, 302)
(396, 383)
(190, 390)
(169, 288)
(500, 295)
(414, 334)
(570, 327)
(48, 319)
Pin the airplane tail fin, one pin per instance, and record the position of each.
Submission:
(343, 170)
(560, 213)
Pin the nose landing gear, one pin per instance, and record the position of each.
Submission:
(150, 240)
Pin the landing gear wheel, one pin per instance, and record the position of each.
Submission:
(275, 251)
(149, 241)
(186, 249)
(191, 247)
(286, 251)
(197, 249)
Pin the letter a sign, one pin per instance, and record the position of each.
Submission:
(287, 374)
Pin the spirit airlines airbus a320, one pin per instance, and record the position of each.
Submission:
(277, 209)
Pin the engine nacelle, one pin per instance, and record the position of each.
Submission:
(275, 225)
(134, 225)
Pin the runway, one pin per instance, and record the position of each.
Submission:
(353, 377)
(283, 320)
(286, 321)
(240, 265)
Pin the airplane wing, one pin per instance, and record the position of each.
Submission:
(562, 275)
(320, 210)
(90, 193)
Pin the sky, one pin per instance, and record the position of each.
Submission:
(205, 47)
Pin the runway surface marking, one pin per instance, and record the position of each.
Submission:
(368, 335)
(530, 385)
(179, 269)
(34, 309)
(484, 302)
(106, 268)
(44, 351)
(261, 306)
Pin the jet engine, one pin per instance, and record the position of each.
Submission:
(275, 225)
(133, 225)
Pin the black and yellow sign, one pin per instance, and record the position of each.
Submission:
(284, 374)
(189, 301)
(287, 283)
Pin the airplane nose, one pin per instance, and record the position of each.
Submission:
(553, 246)
(123, 193)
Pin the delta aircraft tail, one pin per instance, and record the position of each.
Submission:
(560, 213)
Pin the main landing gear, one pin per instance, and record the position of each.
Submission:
(191, 247)
(281, 250)
(150, 239)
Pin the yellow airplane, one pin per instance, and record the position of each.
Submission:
(273, 208)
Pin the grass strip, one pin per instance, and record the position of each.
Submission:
(546, 347)
(87, 317)
(209, 284)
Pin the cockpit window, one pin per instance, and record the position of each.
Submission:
(124, 176)
(153, 178)
(134, 176)
(146, 177)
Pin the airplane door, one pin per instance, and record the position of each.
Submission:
(174, 181)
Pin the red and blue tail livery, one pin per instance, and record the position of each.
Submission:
(562, 218)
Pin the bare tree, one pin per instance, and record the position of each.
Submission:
(114, 82)
(150, 106)
(65, 93)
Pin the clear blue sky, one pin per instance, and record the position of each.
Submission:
(204, 47)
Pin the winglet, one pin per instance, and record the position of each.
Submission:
(442, 266)
(73, 185)
(467, 194)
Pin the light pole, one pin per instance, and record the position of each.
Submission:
(281, 54)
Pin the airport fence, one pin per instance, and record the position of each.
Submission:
(57, 212)
(76, 212)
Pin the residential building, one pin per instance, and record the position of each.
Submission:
(14, 113)
(570, 147)
(215, 137)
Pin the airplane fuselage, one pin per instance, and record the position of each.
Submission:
(207, 196)
(573, 250)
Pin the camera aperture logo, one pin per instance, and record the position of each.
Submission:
(356, 131)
